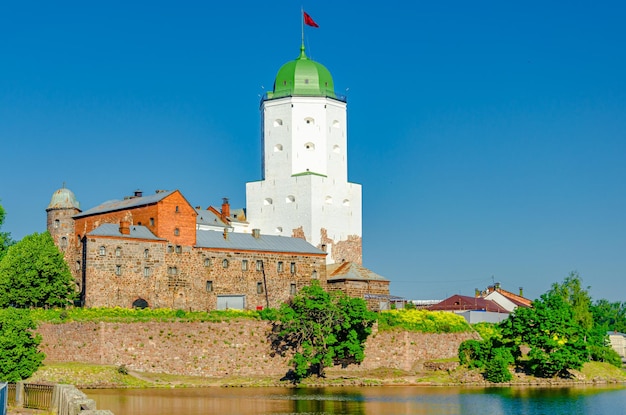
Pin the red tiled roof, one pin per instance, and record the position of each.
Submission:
(464, 303)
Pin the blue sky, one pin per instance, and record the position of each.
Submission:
(489, 136)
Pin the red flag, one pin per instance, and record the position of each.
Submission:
(309, 21)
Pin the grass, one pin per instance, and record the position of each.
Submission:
(603, 371)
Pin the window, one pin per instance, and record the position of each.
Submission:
(207, 262)
(172, 270)
(176, 232)
(63, 242)
(179, 249)
(146, 253)
(292, 268)
(177, 210)
(314, 274)
(170, 249)
(118, 252)
(57, 223)
(146, 272)
(209, 286)
(151, 221)
(259, 287)
(77, 265)
(259, 265)
(280, 266)
(292, 288)
(118, 270)
(103, 251)
(244, 265)
(225, 263)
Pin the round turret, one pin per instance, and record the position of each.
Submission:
(303, 77)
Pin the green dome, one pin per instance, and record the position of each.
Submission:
(63, 199)
(303, 77)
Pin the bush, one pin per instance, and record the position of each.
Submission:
(19, 356)
(471, 354)
(423, 321)
(605, 354)
(497, 369)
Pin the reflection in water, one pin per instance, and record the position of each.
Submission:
(363, 401)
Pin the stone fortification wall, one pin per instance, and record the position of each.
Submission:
(220, 349)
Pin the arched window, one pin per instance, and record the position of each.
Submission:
(63, 242)
(146, 253)
(57, 223)
(225, 263)
(102, 251)
(118, 251)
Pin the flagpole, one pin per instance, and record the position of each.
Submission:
(302, 18)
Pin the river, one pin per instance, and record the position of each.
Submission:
(397, 400)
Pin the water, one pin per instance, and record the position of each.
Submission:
(388, 400)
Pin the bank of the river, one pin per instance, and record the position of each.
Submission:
(88, 376)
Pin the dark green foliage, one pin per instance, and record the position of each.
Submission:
(605, 354)
(322, 329)
(497, 367)
(5, 237)
(33, 273)
(269, 314)
(19, 357)
(611, 316)
(471, 354)
(556, 341)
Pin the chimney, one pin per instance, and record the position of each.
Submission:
(521, 291)
(226, 233)
(138, 193)
(125, 227)
(225, 208)
(256, 233)
(497, 286)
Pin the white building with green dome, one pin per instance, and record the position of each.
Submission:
(305, 191)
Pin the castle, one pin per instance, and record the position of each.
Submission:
(302, 221)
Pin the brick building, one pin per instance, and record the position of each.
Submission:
(158, 251)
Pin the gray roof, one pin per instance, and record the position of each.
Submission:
(245, 241)
(114, 205)
(112, 229)
(352, 271)
(207, 217)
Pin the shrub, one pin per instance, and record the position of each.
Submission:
(422, 321)
(497, 368)
(471, 354)
(605, 354)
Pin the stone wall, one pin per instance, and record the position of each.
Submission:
(220, 349)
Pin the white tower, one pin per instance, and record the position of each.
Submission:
(305, 190)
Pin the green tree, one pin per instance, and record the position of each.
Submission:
(323, 329)
(572, 292)
(610, 316)
(554, 336)
(5, 237)
(33, 273)
(19, 357)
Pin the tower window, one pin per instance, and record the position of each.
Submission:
(146, 253)
(225, 263)
(151, 221)
(179, 249)
(170, 249)
(102, 251)
(207, 262)
(176, 232)
(63, 242)
(57, 223)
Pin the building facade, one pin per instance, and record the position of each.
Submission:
(155, 251)
(304, 191)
